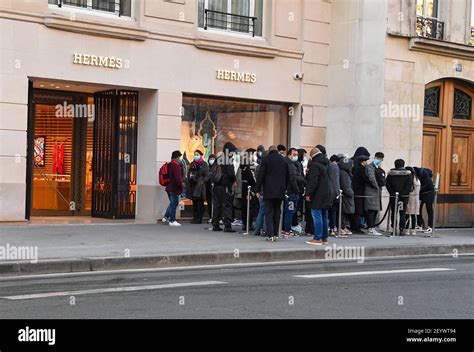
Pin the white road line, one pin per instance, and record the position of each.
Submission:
(114, 289)
(380, 272)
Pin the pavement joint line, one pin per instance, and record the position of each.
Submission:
(112, 290)
(219, 266)
(378, 272)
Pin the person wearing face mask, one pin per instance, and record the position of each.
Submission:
(359, 180)
(198, 176)
(260, 152)
(293, 191)
(212, 166)
(281, 150)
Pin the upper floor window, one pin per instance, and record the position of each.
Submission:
(118, 7)
(238, 16)
(427, 21)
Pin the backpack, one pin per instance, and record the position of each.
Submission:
(163, 175)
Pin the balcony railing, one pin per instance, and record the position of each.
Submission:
(429, 27)
(229, 22)
(118, 7)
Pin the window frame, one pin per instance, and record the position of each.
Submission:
(425, 2)
(229, 30)
(96, 12)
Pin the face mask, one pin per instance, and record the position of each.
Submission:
(260, 153)
(180, 159)
(197, 157)
(237, 158)
(377, 162)
(294, 158)
(211, 162)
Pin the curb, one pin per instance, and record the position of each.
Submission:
(165, 261)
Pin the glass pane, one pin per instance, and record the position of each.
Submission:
(259, 14)
(432, 8)
(126, 7)
(201, 13)
(209, 123)
(419, 7)
(104, 5)
(462, 105)
(431, 107)
(78, 3)
(217, 20)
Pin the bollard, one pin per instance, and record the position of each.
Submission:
(339, 222)
(303, 216)
(395, 216)
(248, 211)
(389, 217)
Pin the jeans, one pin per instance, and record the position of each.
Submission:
(429, 210)
(171, 210)
(290, 207)
(259, 222)
(272, 216)
(320, 219)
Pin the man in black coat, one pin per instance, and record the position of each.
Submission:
(273, 177)
(399, 180)
(222, 196)
(318, 194)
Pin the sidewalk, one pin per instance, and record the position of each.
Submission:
(65, 248)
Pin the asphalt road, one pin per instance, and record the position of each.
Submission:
(418, 288)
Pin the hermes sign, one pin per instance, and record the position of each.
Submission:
(245, 77)
(100, 61)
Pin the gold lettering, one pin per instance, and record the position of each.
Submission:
(78, 59)
(112, 62)
(233, 76)
(94, 61)
(119, 63)
(220, 74)
(227, 75)
(103, 61)
(240, 76)
(86, 59)
(247, 76)
(253, 78)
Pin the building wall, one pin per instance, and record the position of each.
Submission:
(164, 55)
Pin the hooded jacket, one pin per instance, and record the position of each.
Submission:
(359, 178)
(345, 167)
(427, 190)
(399, 180)
(318, 187)
(228, 172)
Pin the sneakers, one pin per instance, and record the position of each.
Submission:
(271, 239)
(332, 233)
(237, 223)
(284, 234)
(374, 232)
(315, 242)
(418, 228)
(343, 233)
(325, 241)
(174, 223)
(428, 232)
(412, 232)
(405, 232)
(164, 220)
(297, 229)
(294, 234)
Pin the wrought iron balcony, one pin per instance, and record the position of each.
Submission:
(429, 27)
(229, 22)
(118, 7)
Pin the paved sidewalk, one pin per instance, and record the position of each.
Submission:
(195, 244)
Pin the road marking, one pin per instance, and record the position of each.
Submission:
(380, 272)
(219, 266)
(114, 289)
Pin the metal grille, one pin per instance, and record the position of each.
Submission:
(118, 7)
(229, 22)
(429, 28)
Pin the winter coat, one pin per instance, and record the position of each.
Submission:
(359, 180)
(318, 187)
(273, 176)
(176, 178)
(359, 152)
(248, 178)
(372, 190)
(348, 206)
(300, 178)
(399, 180)
(293, 177)
(333, 173)
(427, 190)
(198, 175)
(413, 206)
(228, 172)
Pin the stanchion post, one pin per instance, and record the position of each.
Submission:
(435, 205)
(389, 217)
(248, 211)
(395, 216)
(339, 223)
(282, 214)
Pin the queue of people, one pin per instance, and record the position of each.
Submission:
(287, 192)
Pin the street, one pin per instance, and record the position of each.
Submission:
(427, 288)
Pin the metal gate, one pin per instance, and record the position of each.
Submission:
(114, 164)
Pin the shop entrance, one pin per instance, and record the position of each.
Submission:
(82, 152)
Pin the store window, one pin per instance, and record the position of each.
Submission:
(118, 7)
(238, 16)
(208, 123)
